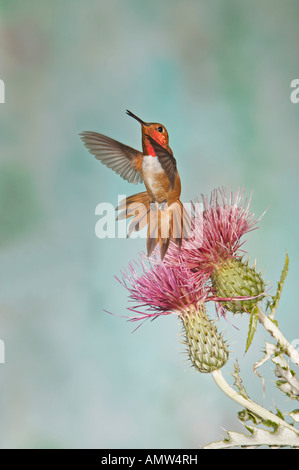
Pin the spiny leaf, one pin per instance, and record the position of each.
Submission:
(275, 299)
(269, 351)
(295, 415)
(238, 381)
(279, 413)
(282, 437)
(287, 381)
(247, 415)
(252, 327)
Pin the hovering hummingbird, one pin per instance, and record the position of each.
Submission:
(159, 206)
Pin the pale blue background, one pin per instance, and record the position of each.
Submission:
(218, 75)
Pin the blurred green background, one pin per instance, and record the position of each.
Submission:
(217, 75)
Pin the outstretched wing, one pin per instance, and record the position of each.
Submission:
(166, 159)
(124, 160)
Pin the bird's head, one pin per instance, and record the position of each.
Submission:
(153, 129)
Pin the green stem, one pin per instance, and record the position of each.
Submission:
(247, 403)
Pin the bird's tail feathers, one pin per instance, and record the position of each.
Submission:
(164, 222)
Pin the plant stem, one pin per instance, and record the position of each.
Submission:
(276, 333)
(247, 403)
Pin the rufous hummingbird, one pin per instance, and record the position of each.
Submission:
(159, 206)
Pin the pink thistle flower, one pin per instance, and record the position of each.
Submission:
(217, 231)
(162, 289)
(215, 249)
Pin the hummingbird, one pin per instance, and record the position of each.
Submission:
(159, 206)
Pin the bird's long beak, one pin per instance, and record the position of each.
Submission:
(137, 118)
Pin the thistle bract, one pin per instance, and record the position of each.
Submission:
(207, 349)
(236, 280)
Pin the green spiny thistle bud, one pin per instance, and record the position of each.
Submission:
(207, 349)
(234, 278)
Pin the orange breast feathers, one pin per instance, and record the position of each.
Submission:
(157, 181)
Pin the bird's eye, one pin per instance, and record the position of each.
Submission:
(160, 129)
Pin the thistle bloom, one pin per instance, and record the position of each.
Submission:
(162, 289)
(215, 249)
